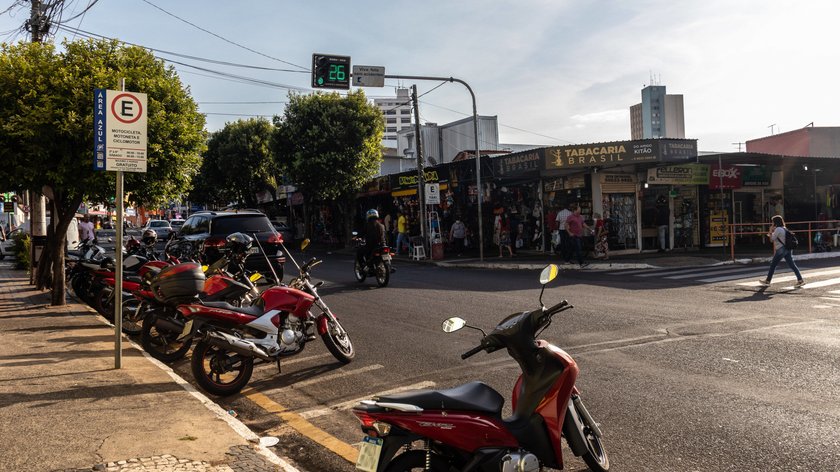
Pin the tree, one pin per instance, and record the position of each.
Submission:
(329, 146)
(46, 131)
(237, 164)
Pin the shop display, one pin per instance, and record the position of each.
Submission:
(620, 214)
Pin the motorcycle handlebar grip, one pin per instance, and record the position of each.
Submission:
(557, 307)
(472, 352)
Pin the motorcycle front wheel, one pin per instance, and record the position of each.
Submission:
(596, 455)
(383, 273)
(416, 460)
(337, 341)
(133, 312)
(219, 371)
(103, 302)
(359, 271)
(160, 343)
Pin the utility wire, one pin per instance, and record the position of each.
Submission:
(223, 38)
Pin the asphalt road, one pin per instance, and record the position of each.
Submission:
(685, 369)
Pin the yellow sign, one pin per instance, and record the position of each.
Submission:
(718, 221)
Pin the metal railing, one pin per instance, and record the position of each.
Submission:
(827, 227)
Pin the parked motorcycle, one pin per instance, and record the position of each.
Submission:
(162, 325)
(378, 265)
(462, 429)
(81, 264)
(279, 325)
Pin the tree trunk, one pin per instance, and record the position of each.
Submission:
(51, 266)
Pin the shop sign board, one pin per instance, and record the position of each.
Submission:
(726, 177)
(758, 176)
(717, 228)
(683, 174)
(410, 180)
(618, 179)
(120, 130)
(620, 153)
(529, 162)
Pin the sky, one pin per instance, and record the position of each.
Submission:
(554, 72)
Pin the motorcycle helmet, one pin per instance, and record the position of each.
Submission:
(372, 213)
(149, 237)
(238, 243)
(132, 244)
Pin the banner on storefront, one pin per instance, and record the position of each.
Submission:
(758, 176)
(620, 152)
(683, 174)
(726, 177)
(519, 164)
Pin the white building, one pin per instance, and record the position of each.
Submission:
(442, 143)
(396, 114)
(658, 116)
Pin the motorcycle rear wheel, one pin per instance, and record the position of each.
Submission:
(219, 371)
(162, 345)
(133, 312)
(383, 273)
(359, 272)
(338, 342)
(103, 302)
(416, 460)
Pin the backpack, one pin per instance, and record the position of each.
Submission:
(790, 240)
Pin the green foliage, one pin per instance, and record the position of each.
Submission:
(46, 119)
(329, 145)
(21, 249)
(237, 164)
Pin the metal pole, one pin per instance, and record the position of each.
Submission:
(477, 149)
(720, 177)
(421, 178)
(118, 286)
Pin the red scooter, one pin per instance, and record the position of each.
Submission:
(462, 428)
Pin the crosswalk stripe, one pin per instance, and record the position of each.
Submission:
(712, 272)
(740, 276)
(821, 283)
(664, 272)
(836, 292)
(789, 278)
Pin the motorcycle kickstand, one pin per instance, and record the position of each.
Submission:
(279, 370)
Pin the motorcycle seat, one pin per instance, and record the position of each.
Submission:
(255, 311)
(474, 396)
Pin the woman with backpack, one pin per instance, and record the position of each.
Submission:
(783, 242)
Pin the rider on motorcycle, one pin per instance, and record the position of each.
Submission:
(374, 234)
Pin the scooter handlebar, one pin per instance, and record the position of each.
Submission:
(556, 308)
(472, 352)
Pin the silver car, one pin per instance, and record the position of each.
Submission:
(161, 227)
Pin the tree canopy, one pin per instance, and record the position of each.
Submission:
(237, 164)
(329, 145)
(46, 127)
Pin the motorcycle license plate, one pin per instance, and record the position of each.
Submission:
(186, 331)
(386, 257)
(369, 454)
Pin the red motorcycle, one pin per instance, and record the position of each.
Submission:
(462, 428)
(277, 325)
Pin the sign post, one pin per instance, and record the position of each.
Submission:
(120, 144)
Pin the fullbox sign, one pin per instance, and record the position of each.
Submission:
(119, 131)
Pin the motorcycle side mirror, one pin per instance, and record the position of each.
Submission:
(355, 233)
(549, 273)
(304, 244)
(255, 276)
(453, 324)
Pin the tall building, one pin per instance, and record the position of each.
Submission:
(658, 116)
(396, 113)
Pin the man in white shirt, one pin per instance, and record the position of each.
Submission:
(86, 229)
(564, 235)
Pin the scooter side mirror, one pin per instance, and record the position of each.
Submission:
(304, 244)
(355, 233)
(549, 273)
(453, 324)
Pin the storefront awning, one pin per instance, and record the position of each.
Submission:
(413, 191)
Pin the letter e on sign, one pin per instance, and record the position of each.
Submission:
(126, 108)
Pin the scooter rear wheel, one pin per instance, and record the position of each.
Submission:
(383, 273)
(416, 460)
(359, 272)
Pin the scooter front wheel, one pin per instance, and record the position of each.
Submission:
(596, 455)
(416, 460)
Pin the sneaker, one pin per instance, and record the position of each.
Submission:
(799, 283)
(764, 282)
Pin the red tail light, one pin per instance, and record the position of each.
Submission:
(386, 250)
(366, 420)
(214, 242)
(275, 238)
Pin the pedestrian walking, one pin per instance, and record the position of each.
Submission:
(602, 247)
(779, 235)
(574, 228)
(86, 229)
(564, 246)
(402, 232)
(663, 220)
(457, 234)
(504, 235)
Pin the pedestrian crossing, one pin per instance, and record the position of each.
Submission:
(744, 276)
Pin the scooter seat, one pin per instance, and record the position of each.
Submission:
(255, 311)
(474, 396)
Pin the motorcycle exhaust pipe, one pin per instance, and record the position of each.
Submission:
(239, 346)
(169, 325)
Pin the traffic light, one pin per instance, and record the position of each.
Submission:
(332, 72)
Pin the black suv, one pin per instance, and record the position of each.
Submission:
(204, 234)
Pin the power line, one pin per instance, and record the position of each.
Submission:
(223, 38)
(243, 103)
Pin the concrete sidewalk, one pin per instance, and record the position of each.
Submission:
(64, 407)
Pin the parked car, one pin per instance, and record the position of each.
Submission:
(284, 230)
(176, 224)
(204, 234)
(161, 227)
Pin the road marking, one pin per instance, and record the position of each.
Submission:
(793, 277)
(661, 272)
(299, 424)
(740, 276)
(296, 360)
(322, 378)
(711, 272)
(821, 283)
(314, 413)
